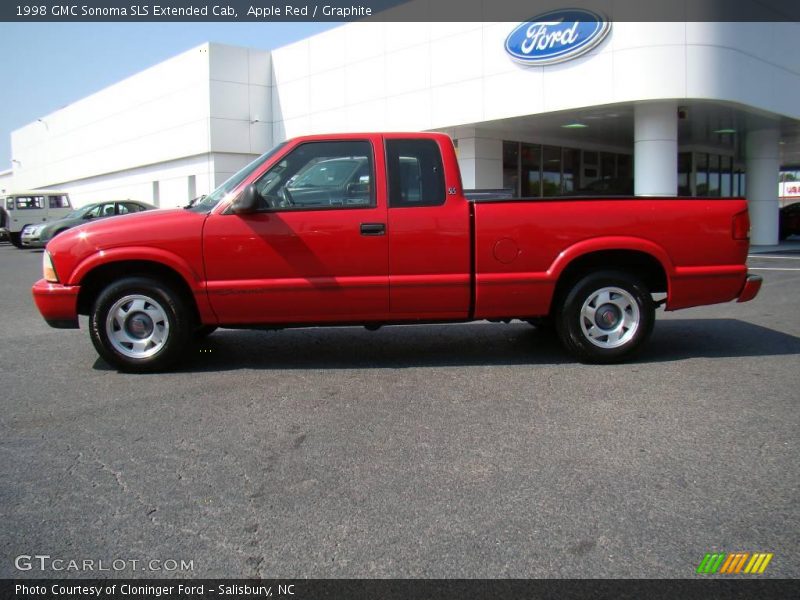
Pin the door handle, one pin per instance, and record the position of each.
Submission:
(373, 229)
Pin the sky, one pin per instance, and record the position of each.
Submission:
(46, 66)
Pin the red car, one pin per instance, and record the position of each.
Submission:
(374, 229)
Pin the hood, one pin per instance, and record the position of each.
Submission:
(170, 229)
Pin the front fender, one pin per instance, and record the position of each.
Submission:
(138, 253)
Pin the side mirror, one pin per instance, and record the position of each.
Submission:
(247, 201)
(88, 216)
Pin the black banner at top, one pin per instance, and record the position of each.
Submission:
(389, 10)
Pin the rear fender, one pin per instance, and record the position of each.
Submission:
(619, 243)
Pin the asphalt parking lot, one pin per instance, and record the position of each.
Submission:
(474, 450)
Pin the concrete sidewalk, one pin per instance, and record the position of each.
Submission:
(790, 246)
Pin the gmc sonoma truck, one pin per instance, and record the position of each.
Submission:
(375, 229)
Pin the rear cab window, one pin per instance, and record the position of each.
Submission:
(416, 174)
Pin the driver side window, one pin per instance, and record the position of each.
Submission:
(320, 175)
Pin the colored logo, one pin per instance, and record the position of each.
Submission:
(733, 563)
(556, 36)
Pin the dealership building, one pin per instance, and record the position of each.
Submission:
(654, 109)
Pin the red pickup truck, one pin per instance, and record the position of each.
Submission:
(375, 229)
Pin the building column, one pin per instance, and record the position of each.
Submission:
(480, 160)
(762, 185)
(655, 149)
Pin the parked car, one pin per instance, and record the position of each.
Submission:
(789, 220)
(37, 236)
(32, 207)
(392, 240)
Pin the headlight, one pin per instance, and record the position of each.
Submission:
(48, 269)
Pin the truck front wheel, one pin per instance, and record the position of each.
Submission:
(606, 317)
(139, 325)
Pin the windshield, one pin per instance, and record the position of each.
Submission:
(205, 204)
(78, 213)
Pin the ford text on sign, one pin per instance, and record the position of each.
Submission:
(556, 36)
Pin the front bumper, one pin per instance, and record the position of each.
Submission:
(750, 289)
(57, 303)
(31, 241)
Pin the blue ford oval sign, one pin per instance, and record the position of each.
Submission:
(556, 36)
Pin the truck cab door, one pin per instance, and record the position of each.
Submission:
(429, 231)
(314, 251)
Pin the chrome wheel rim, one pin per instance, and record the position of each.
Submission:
(137, 326)
(610, 317)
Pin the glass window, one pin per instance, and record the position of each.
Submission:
(511, 167)
(713, 175)
(701, 174)
(319, 175)
(30, 202)
(551, 171)
(571, 163)
(101, 210)
(531, 177)
(624, 166)
(59, 202)
(684, 174)
(608, 165)
(416, 176)
(129, 207)
(726, 183)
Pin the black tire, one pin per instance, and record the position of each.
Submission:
(623, 317)
(543, 325)
(16, 238)
(152, 324)
(203, 331)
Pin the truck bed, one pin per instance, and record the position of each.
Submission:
(522, 246)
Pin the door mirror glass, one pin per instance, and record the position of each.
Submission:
(247, 201)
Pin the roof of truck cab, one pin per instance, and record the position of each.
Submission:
(368, 134)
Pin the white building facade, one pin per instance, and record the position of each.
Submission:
(655, 109)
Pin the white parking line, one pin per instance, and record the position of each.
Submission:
(770, 269)
(776, 257)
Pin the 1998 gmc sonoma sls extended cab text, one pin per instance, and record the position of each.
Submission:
(375, 229)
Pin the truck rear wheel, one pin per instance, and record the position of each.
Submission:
(139, 325)
(606, 317)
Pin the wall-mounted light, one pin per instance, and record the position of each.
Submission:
(724, 131)
(575, 126)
